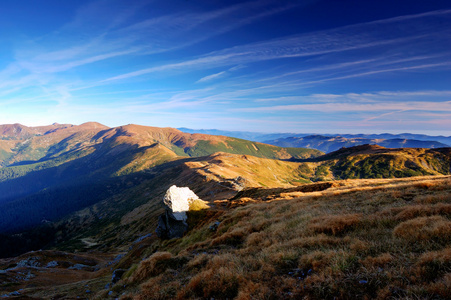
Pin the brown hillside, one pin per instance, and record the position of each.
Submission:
(383, 239)
(379, 239)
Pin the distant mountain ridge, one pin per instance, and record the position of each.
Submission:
(247, 135)
(332, 142)
(329, 144)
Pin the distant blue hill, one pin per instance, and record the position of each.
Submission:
(331, 142)
(246, 135)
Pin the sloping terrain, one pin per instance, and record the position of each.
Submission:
(372, 161)
(269, 137)
(378, 238)
(51, 171)
(121, 178)
(97, 192)
(332, 143)
(132, 201)
(133, 209)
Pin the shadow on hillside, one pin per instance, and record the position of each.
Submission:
(69, 182)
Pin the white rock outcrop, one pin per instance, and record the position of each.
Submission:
(177, 200)
(173, 222)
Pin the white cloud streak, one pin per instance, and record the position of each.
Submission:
(348, 38)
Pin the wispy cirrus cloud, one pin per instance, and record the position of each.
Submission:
(185, 61)
(354, 107)
(413, 33)
(219, 74)
(118, 34)
(371, 107)
(212, 76)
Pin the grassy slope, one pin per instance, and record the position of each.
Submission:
(265, 250)
(239, 146)
(119, 219)
(375, 239)
(377, 162)
(73, 157)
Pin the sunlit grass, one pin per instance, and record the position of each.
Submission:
(377, 239)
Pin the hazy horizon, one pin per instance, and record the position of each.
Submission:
(309, 66)
(243, 131)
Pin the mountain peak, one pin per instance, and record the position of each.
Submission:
(92, 125)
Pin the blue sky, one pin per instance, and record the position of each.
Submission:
(347, 66)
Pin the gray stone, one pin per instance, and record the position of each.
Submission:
(117, 275)
(81, 267)
(141, 238)
(214, 226)
(29, 262)
(169, 228)
(52, 264)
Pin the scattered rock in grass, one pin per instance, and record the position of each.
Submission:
(214, 226)
(141, 238)
(81, 267)
(117, 275)
(52, 264)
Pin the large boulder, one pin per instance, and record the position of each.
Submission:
(172, 224)
(177, 201)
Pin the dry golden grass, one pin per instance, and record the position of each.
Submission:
(434, 264)
(378, 261)
(381, 239)
(334, 224)
(414, 211)
(152, 266)
(424, 229)
(198, 204)
(214, 283)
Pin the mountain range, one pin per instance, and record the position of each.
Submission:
(40, 164)
(332, 142)
(97, 191)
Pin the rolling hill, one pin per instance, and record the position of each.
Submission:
(384, 238)
(91, 197)
(373, 161)
(332, 143)
(290, 139)
(48, 172)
